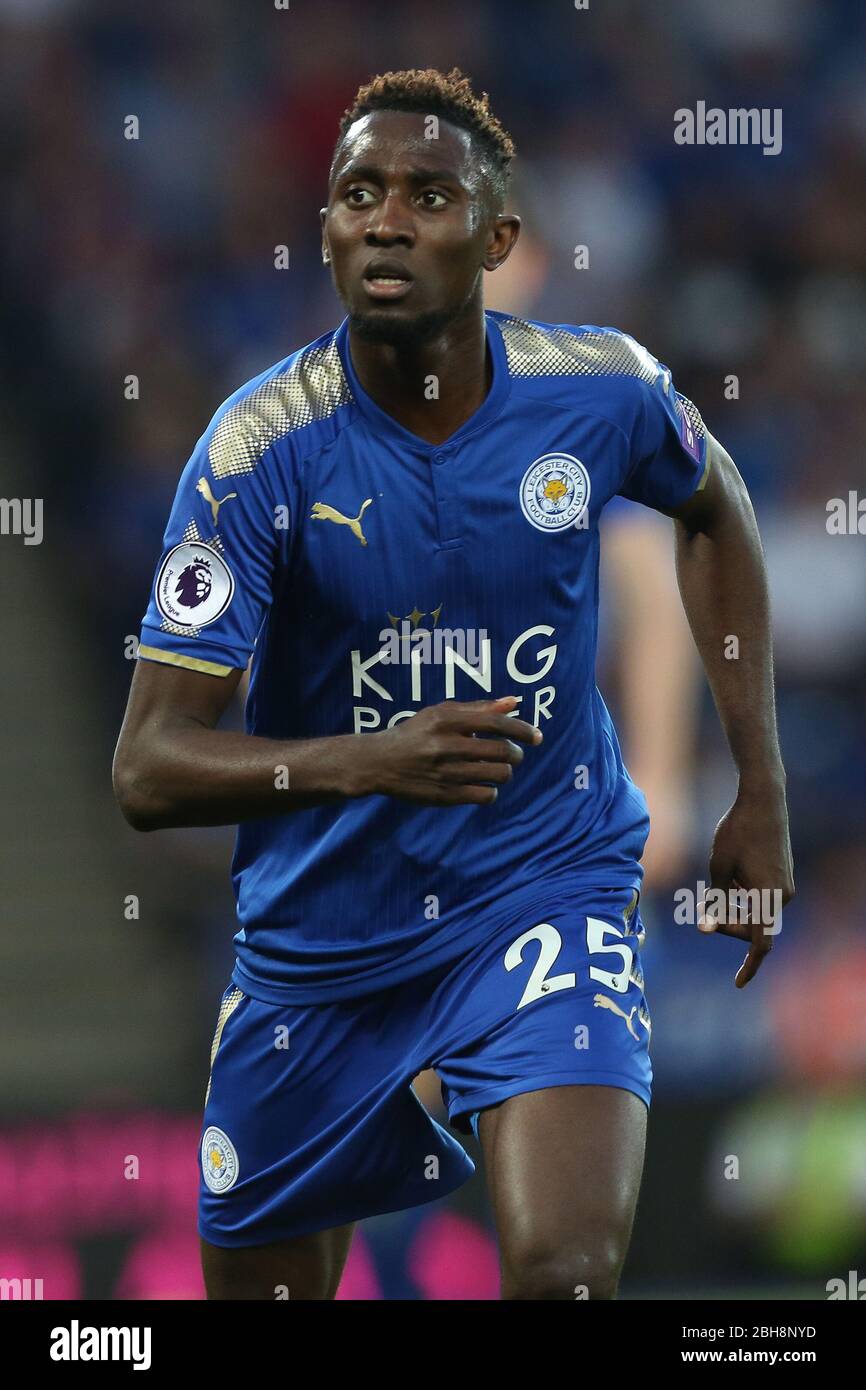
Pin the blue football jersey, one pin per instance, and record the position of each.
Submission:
(370, 573)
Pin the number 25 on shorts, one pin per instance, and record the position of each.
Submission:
(540, 982)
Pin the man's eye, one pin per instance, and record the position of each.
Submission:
(359, 197)
(430, 194)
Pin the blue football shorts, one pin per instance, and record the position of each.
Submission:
(310, 1118)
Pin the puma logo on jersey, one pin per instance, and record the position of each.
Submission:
(601, 1001)
(203, 486)
(323, 512)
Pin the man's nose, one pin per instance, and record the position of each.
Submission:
(390, 224)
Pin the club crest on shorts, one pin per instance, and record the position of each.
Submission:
(219, 1160)
(194, 586)
(554, 492)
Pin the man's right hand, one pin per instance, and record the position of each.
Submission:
(445, 754)
(174, 767)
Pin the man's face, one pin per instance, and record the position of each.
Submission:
(408, 226)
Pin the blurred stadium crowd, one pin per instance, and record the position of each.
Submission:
(154, 258)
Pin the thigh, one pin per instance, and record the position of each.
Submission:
(559, 1071)
(564, 1168)
(308, 1267)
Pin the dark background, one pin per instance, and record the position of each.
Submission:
(154, 258)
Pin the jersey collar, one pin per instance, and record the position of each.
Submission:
(385, 424)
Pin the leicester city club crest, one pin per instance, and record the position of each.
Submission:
(554, 492)
(219, 1160)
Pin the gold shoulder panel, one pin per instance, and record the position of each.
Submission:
(534, 351)
(312, 389)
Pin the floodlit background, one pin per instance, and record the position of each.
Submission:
(155, 258)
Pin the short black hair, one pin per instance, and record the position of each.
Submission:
(448, 96)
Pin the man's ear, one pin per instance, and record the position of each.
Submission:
(503, 239)
(326, 255)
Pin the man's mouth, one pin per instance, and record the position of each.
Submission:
(382, 281)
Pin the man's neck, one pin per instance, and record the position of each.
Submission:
(433, 388)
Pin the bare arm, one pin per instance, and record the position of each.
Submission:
(659, 678)
(174, 767)
(722, 579)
